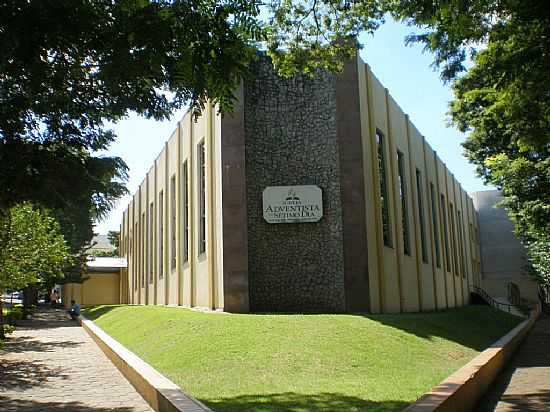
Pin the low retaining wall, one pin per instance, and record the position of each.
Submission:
(461, 391)
(161, 393)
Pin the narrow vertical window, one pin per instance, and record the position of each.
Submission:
(435, 225)
(201, 156)
(420, 194)
(461, 244)
(161, 234)
(136, 254)
(151, 241)
(173, 222)
(143, 255)
(404, 202)
(445, 233)
(454, 247)
(384, 200)
(184, 213)
(472, 243)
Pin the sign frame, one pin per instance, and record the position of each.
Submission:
(292, 204)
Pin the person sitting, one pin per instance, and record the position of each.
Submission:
(53, 298)
(75, 310)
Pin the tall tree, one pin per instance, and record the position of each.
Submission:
(74, 185)
(114, 239)
(502, 100)
(32, 249)
(69, 66)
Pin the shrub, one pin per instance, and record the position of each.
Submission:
(13, 316)
(8, 329)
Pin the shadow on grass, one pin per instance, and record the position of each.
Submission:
(292, 402)
(475, 327)
(95, 312)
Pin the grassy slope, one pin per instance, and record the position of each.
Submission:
(303, 362)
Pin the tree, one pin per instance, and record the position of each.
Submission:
(114, 239)
(502, 101)
(305, 35)
(32, 249)
(76, 187)
(69, 66)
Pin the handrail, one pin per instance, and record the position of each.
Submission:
(492, 301)
(514, 295)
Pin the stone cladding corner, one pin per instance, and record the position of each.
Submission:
(291, 139)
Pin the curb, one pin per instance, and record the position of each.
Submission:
(461, 391)
(161, 393)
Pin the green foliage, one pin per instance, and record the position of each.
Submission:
(103, 253)
(539, 255)
(7, 330)
(13, 315)
(33, 249)
(88, 61)
(74, 185)
(502, 101)
(114, 239)
(305, 35)
(287, 362)
(70, 66)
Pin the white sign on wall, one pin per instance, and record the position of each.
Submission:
(292, 204)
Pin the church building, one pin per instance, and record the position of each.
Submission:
(314, 195)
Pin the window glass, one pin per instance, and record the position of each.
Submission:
(384, 200)
(161, 234)
(404, 202)
(202, 196)
(420, 195)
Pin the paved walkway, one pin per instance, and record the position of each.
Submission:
(50, 365)
(524, 386)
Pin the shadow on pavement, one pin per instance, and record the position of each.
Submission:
(26, 344)
(15, 374)
(16, 405)
(525, 394)
(46, 317)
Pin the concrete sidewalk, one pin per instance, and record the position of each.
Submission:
(524, 385)
(50, 365)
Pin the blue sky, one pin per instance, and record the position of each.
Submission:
(404, 70)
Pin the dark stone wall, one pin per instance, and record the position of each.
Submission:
(235, 241)
(291, 139)
(348, 126)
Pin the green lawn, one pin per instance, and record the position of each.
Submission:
(303, 362)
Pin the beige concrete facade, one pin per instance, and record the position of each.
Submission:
(503, 257)
(414, 279)
(161, 269)
(99, 288)
(421, 241)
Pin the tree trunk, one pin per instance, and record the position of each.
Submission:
(26, 301)
(2, 335)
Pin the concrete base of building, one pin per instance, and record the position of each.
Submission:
(101, 288)
(161, 393)
(463, 389)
